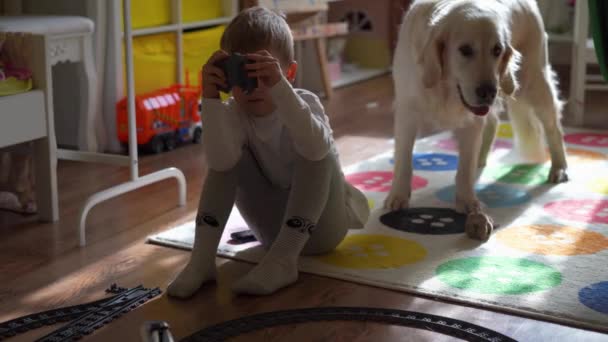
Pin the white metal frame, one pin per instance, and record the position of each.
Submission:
(114, 91)
(136, 181)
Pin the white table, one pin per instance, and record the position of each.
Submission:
(26, 117)
(69, 39)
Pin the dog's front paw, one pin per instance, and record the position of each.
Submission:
(468, 204)
(397, 200)
(558, 175)
(478, 226)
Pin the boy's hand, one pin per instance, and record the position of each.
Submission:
(213, 76)
(265, 67)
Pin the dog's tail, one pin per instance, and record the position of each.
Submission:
(527, 132)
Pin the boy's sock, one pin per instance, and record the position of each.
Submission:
(201, 267)
(279, 267)
(215, 206)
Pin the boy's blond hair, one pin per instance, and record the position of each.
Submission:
(258, 28)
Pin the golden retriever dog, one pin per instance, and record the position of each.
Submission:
(457, 65)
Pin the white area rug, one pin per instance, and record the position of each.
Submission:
(548, 259)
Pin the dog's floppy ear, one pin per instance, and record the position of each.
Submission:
(431, 58)
(507, 68)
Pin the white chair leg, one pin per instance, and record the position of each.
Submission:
(87, 136)
(46, 179)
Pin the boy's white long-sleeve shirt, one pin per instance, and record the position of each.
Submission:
(298, 125)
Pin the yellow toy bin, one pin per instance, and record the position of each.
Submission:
(155, 56)
(147, 13)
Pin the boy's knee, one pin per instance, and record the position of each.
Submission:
(326, 164)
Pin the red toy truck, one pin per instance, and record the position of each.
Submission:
(164, 118)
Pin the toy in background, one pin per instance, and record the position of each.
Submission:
(16, 163)
(165, 118)
(373, 28)
(17, 179)
(14, 77)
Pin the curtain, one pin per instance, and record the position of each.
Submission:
(598, 17)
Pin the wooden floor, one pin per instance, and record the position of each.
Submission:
(42, 267)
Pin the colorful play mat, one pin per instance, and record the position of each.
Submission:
(548, 259)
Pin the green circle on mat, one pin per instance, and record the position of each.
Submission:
(498, 275)
(529, 174)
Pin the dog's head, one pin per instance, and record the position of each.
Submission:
(469, 48)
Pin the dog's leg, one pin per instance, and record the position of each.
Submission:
(547, 108)
(478, 225)
(406, 130)
(489, 133)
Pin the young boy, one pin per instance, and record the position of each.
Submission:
(270, 152)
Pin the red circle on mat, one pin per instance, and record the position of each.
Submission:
(590, 211)
(587, 139)
(380, 181)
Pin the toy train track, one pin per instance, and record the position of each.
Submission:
(83, 318)
(418, 320)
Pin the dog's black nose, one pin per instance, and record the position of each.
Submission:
(486, 92)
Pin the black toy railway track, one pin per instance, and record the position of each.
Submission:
(438, 324)
(83, 318)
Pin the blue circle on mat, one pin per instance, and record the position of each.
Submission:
(595, 296)
(492, 195)
(433, 162)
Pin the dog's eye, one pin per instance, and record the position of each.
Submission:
(466, 50)
(497, 50)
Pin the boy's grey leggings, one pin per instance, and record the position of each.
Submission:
(317, 193)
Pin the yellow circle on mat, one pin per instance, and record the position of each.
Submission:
(505, 131)
(549, 239)
(577, 155)
(371, 203)
(374, 251)
(599, 185)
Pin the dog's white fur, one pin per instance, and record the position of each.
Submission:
(509, 48)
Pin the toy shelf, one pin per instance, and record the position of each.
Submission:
(115, 85)
(185, 26)
(121, 63)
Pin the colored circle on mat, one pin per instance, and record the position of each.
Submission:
(599, 185)
(447, 144)
(587, 139)
(549, 239)
(502, 144)
(365, 251)
(371, 203)
(586, 210)
(529, 174)
(505, 131)
(577, 155)
(431, 221)
(498, 275)
(492, 195)
(595, 296)
(435, 162)
(450, 144)
(380, 181)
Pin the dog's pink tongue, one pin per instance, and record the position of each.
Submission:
(481, 111)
